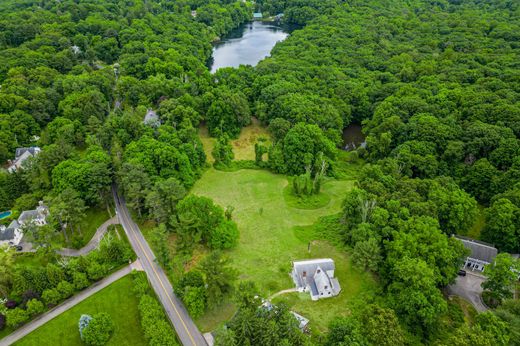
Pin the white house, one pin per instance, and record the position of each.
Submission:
(13, 234)
(20, 156)
(316, 276)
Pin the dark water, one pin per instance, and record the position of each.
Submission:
(353, 137)
(246, 45)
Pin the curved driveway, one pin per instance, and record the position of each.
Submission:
(93, 243)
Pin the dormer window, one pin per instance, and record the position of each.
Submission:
(318, 271)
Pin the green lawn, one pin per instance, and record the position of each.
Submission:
(117, 300)
(269, 240)
(480, 223)
(94, 217)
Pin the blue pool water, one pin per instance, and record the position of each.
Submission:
(5, 214)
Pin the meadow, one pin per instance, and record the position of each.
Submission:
(272, 236)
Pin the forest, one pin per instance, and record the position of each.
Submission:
(435, 86)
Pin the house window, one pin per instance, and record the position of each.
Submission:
(321, 293)
(326, 287)
(304, 273)
(318, 271)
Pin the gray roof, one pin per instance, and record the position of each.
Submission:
(14, 224)
(28, 215)
(310, 266)
(479, 249)
(7, 234)
(20, 151)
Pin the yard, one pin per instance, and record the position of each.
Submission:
(118, 300)
(270, 240)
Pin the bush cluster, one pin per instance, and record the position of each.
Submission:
(39, 288)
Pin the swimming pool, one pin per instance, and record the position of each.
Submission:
(5, 214)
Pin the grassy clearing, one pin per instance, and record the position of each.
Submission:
(470, 313)
(243, 146)
(480, 223)
(117, 300)
(270, 240)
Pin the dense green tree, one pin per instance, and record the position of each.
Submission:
(6, 269)
(501, 277)
(136, 184)
(219, 277)
(228, 113)
(503, 225)
(159, 242)
(414, 295)
(222, 151)
(367, 254)
(163, 198)
(302, 146)
(99, 330)
(381, 326)
(67, 209)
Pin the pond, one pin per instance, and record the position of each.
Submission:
(246, 45)
(353, 137)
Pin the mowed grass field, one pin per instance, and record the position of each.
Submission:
(118, 300)
(269, 241)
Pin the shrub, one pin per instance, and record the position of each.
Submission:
(140, 284)
(114, 251)
(35, 307)
(80, 280)
(84, 320)
(29, 295)
(224, 236)
(96, 271)
(16, 317)
(99, 330)
(10, 304)
(156, 329)
(66, 289)
(51, 296)
(194, 299)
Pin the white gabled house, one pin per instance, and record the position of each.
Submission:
(20, 156)
(13, 234)
(316, 276)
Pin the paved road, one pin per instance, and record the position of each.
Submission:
(469, 287)
(69, 303)
(187, 331)
(93, 243)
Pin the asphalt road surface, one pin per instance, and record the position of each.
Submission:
(187, 331)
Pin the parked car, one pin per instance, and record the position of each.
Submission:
(462, 272)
